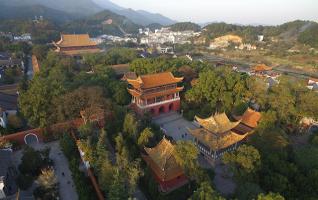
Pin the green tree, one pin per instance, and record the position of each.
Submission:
(206, 192)
(47, 178)
(144, 137)
(270, 196)
(130, 126)
(186, 155)
(244, 161)
(117, 189)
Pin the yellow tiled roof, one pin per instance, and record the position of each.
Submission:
(217, 142)
(218, 123)
(154, 80)
(162, 161)
(75, 40)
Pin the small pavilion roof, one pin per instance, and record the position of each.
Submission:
(216, 142)
(218, 123)
(313, 79)
(261, 67)
(251, 118)
(154, 80)
(162, 161)
(75, 40)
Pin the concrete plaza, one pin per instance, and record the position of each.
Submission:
(175, 126)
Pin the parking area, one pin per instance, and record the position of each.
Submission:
(66, 186)
(175, 126)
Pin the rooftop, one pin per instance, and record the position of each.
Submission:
(250, 118)
(154, 80)
(217, 142)
(75, 40)
(9, 97)
(162, 161)
(218, 123)
(261, 68)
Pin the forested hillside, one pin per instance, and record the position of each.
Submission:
(105, 22)
(185, 26)
(303, 31)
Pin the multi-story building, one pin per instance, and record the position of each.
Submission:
(217, 134)
(166, 171)
(155, 93)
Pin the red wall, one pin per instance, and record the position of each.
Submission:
(156, 112)
(56, 128)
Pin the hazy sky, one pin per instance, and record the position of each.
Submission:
(233, 11)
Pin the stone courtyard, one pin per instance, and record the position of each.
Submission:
(175, 126)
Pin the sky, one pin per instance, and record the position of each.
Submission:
(267, 12)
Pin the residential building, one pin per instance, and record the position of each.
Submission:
(26, 37)
(8, 173)
(155, 93)
(6, 61)
(217, 134)
(313, 84)
(166, 171)
(165, 35)
(164, 50)
(76, 45)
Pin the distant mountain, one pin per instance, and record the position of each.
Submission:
(76, 7)
(29, 12)
(108, 5)
(104, 22)
(157, 18)
(137, 16)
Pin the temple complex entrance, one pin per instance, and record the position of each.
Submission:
(31, 138)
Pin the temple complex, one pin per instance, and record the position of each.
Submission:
(155, 93)
(167, 173)
(217, 134)
(75, 45)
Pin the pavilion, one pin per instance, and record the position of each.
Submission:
(161, 160)
(217, 134)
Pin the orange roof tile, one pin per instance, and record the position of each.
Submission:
(35, 64)
(251, 118)
(261, 67)
(154, 80)
(75, 40)
(313, 79)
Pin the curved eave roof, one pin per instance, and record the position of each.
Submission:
(215, 142)
(218, 123)
(154, 80)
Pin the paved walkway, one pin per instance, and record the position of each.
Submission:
(67, 189)
(175, 126)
